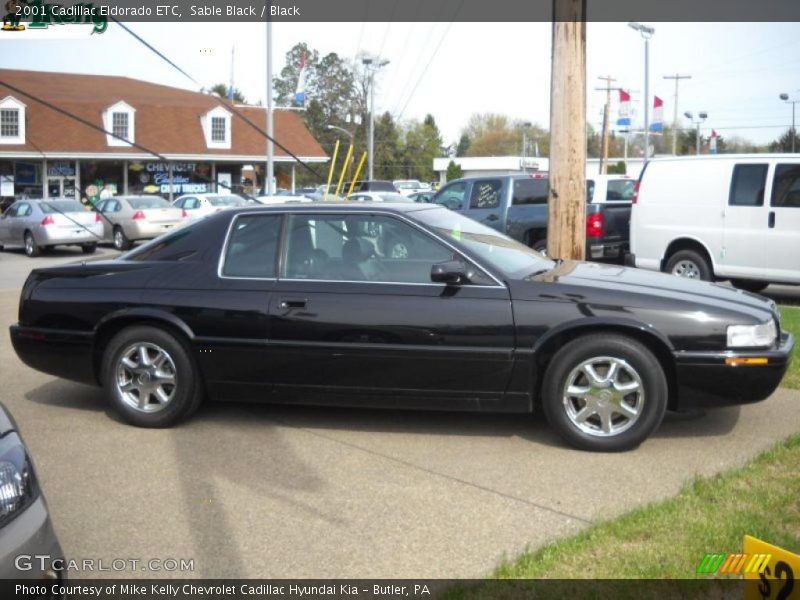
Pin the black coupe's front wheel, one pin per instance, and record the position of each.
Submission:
(604, 392)
(150, 377)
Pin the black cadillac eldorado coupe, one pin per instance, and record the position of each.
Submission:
(395, 305)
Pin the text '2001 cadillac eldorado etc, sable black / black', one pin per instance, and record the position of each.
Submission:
(405, 305)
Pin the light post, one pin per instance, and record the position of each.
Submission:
(525, 126)
(785, 98)
(350, 134)
(372, 67)
(701, 116)
(646, 33)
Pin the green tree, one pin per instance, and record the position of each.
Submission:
(463, 144)
(617, 168)
(388, 148)
(423, 143)
(454, 171)
(784, 142)
(220, 89)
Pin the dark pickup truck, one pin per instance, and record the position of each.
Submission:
(517, 206)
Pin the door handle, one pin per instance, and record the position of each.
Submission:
(293, 303)
(492, 218)
(771, 221)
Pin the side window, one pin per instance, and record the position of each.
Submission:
(530, 191)
(786, 186)
(452, 196)
(179, 203)
(747, 185)
(252, 247)
(23, 210)
(589, 191)
(100, 206)
(12, 210)
(620, 189)
(114, 205)
(486, 194)
(360, 247)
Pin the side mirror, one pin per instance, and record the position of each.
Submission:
(452, 272)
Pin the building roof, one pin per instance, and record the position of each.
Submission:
(167, 119)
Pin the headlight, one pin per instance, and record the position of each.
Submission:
(17, 482)
(752, 336)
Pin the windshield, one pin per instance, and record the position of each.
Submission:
(231, 200)
(61, 206)
(487, 245)
(154, 202)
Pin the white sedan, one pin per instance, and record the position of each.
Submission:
(195, 206)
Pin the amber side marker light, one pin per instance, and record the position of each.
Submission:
(759, 360)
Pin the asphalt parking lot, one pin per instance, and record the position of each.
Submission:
(271, 491)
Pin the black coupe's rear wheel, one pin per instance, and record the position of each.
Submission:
(150, 377)
(604, 392)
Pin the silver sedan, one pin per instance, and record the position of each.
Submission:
(130, 218)
(42, 224)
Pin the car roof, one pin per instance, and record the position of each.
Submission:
(334, 206)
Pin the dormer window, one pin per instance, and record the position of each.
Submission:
(12, 121)
(119, 120)
(217, 128)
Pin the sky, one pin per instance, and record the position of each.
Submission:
(453, 70)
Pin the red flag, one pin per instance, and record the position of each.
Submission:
(624, 96)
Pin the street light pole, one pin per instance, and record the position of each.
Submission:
(372, 66)
(702, 116)
(270, 173)
(646, 33)
(785, 98)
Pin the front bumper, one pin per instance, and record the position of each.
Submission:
(26, 537)
(65, 354)
(705, 379)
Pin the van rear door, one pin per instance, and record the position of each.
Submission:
(745, 222)
(782, 238)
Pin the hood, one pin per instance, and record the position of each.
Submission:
(6, 421)
(650, 285)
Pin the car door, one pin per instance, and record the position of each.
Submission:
(486, 203)
(782, 239)
(20, 222)
(351, 315)
(5, 223)
(745, 221)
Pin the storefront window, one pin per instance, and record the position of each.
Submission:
(153, 178)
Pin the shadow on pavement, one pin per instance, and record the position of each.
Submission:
(66, 394)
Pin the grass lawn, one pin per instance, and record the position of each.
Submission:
(670, 538)
(790, 320)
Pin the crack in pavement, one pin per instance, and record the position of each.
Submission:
(412, 465)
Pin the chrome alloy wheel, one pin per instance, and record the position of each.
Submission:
(603, 396)
(146, 379)
(686, 268)
(119, 242)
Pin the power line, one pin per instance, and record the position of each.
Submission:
(677, 77)
(433, 56)
(230, 107)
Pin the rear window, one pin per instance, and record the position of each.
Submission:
(143, 203)
(747, 186)
(620, 189)
(530, 191)
(231, 200)
(59, 206)
(181, 243)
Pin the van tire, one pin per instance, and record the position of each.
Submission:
(690, 264)
(750, 285)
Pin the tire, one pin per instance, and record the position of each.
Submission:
(89, 248)
(606, 429)
(690, 264)
(119, 239)
(750, 285)
(126, 382)
(32, 249)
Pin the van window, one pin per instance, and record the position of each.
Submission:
(786, 187)
(589, 191)
(620, 189)
(747, 187)
(486, 194)
(530, 191)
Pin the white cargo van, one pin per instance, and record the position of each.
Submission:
(728, 216)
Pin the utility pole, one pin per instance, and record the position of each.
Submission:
(270, 173)
(606, 126)
(677, 77)
(566, 229)
(372, 65)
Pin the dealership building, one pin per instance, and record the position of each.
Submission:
(178, 141)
